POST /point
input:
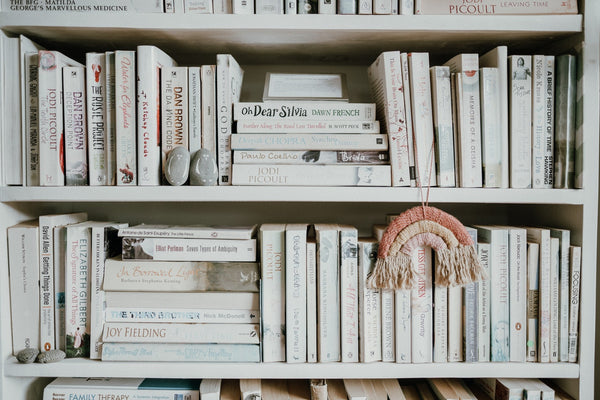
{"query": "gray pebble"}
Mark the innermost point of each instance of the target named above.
(203, 171)
(27, 356)
(177, 166)
(51, 356)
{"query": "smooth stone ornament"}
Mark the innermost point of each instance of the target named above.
(203, 171)
(51, 356)
(177, 166)
(27, 356)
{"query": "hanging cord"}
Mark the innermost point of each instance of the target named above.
(424, 201)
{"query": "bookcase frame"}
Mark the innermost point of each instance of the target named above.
(325, 40)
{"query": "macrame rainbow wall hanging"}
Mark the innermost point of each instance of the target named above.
(456, 261)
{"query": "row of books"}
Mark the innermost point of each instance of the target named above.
(301, 389)
(403, 7)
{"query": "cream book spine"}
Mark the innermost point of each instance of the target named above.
(483, 305)
(455, 324)
(533, 300)
(75, 127)
(491, 135)
(442, 121)
(422, 305)
(111, 120)
(538, 120)
(440, 324)
(554, 299)
(96, 117)
(125, 94)
(575, 267)
(311, 300)
(295, 290)
(209, 111)
(369, 304)
(194, 109)
(549, 123)
(518, 293)
(348, 247)
(174, 110)
(564, 237)
(403, 326)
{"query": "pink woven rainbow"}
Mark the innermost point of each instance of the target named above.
(456, 259)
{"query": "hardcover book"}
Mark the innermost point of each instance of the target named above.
(75, 128)
(97, 100)
(126, 149)
(303, 111)
(174, 113)
(300, 126)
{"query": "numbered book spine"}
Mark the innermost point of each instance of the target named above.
(75, 128)
(533, 300)
(308, 141)
(520, 120)
(150, 60)
(310, 157)
(491, 127)
(24, 271)
(328, 293)
(125, 84)
(348, 238)
(564, 236)
(538, 119)
(272, 239)
(299, 126)
(229, 85)
(575, 252)
(369, 301)
(191, 352)
(194, 109)
(97, 122)
(181, 315)
(311, 300)
(388, 352)
(455, 324)
(483, 305)
(311, 175)
(124, 332)
(77, 304)
(422, 305)
(174, 110)
(209, 122)
(422, 115)
(385, 77)
(518, 293)
(111, 120)
(564, 135)
(304, 111)
(549, 123)
(442, 121)
(440, 324)
(32, 162)
(295, 289)
(409, 123)
(554, 299)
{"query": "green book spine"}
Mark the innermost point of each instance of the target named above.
(564, 136)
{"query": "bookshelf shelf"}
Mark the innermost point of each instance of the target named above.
(88, 368)
(289, 194)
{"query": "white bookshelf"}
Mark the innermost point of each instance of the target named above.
(346, 43)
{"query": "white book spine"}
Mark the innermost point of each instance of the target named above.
(60, 245)
(125, 95)
(304, 111)
(245, 6)
(300, 126)
(533, 300)
(365, 7)
(291, 7)
(520, 121)
(327, 6)
(269, 7)
(440, 324)
(310, 157)
(174, 110)
(455, 324)
(575, 252)
(409, 123)
(554, 299)
(518, 294)
(407, 7)
(210, 389)
(369, 305)
(311, 301)
(24, 270)
(184, 300)
(97, 117)
(295, 289)
(125, 332)
(388, 353)
(385, 76)
(194, 109)
(229, 85)
(347, 7)
(442, 121)
(349, 294)
(181, 352)
(538, 119)
(311, 175)
(422, 305)
(11, 116)
(111, 120)
(50, 119)
(564, 237)
(542, 237)
(115, 388)
(75, 127)
(422, 115)
(470, 322)
(328, 294)
(308, 141)
(483, 305)
(198, 6)
(150, 60)
(402, 326)
(470, 129)
(32, 160)
(273, 292)
(172, 249)
(169, 6)
(383, 7)
(77, 300)
(181, 315)
(491, 133)
(222, 6)
(189, 232)
(549, 123)
(209, 121)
